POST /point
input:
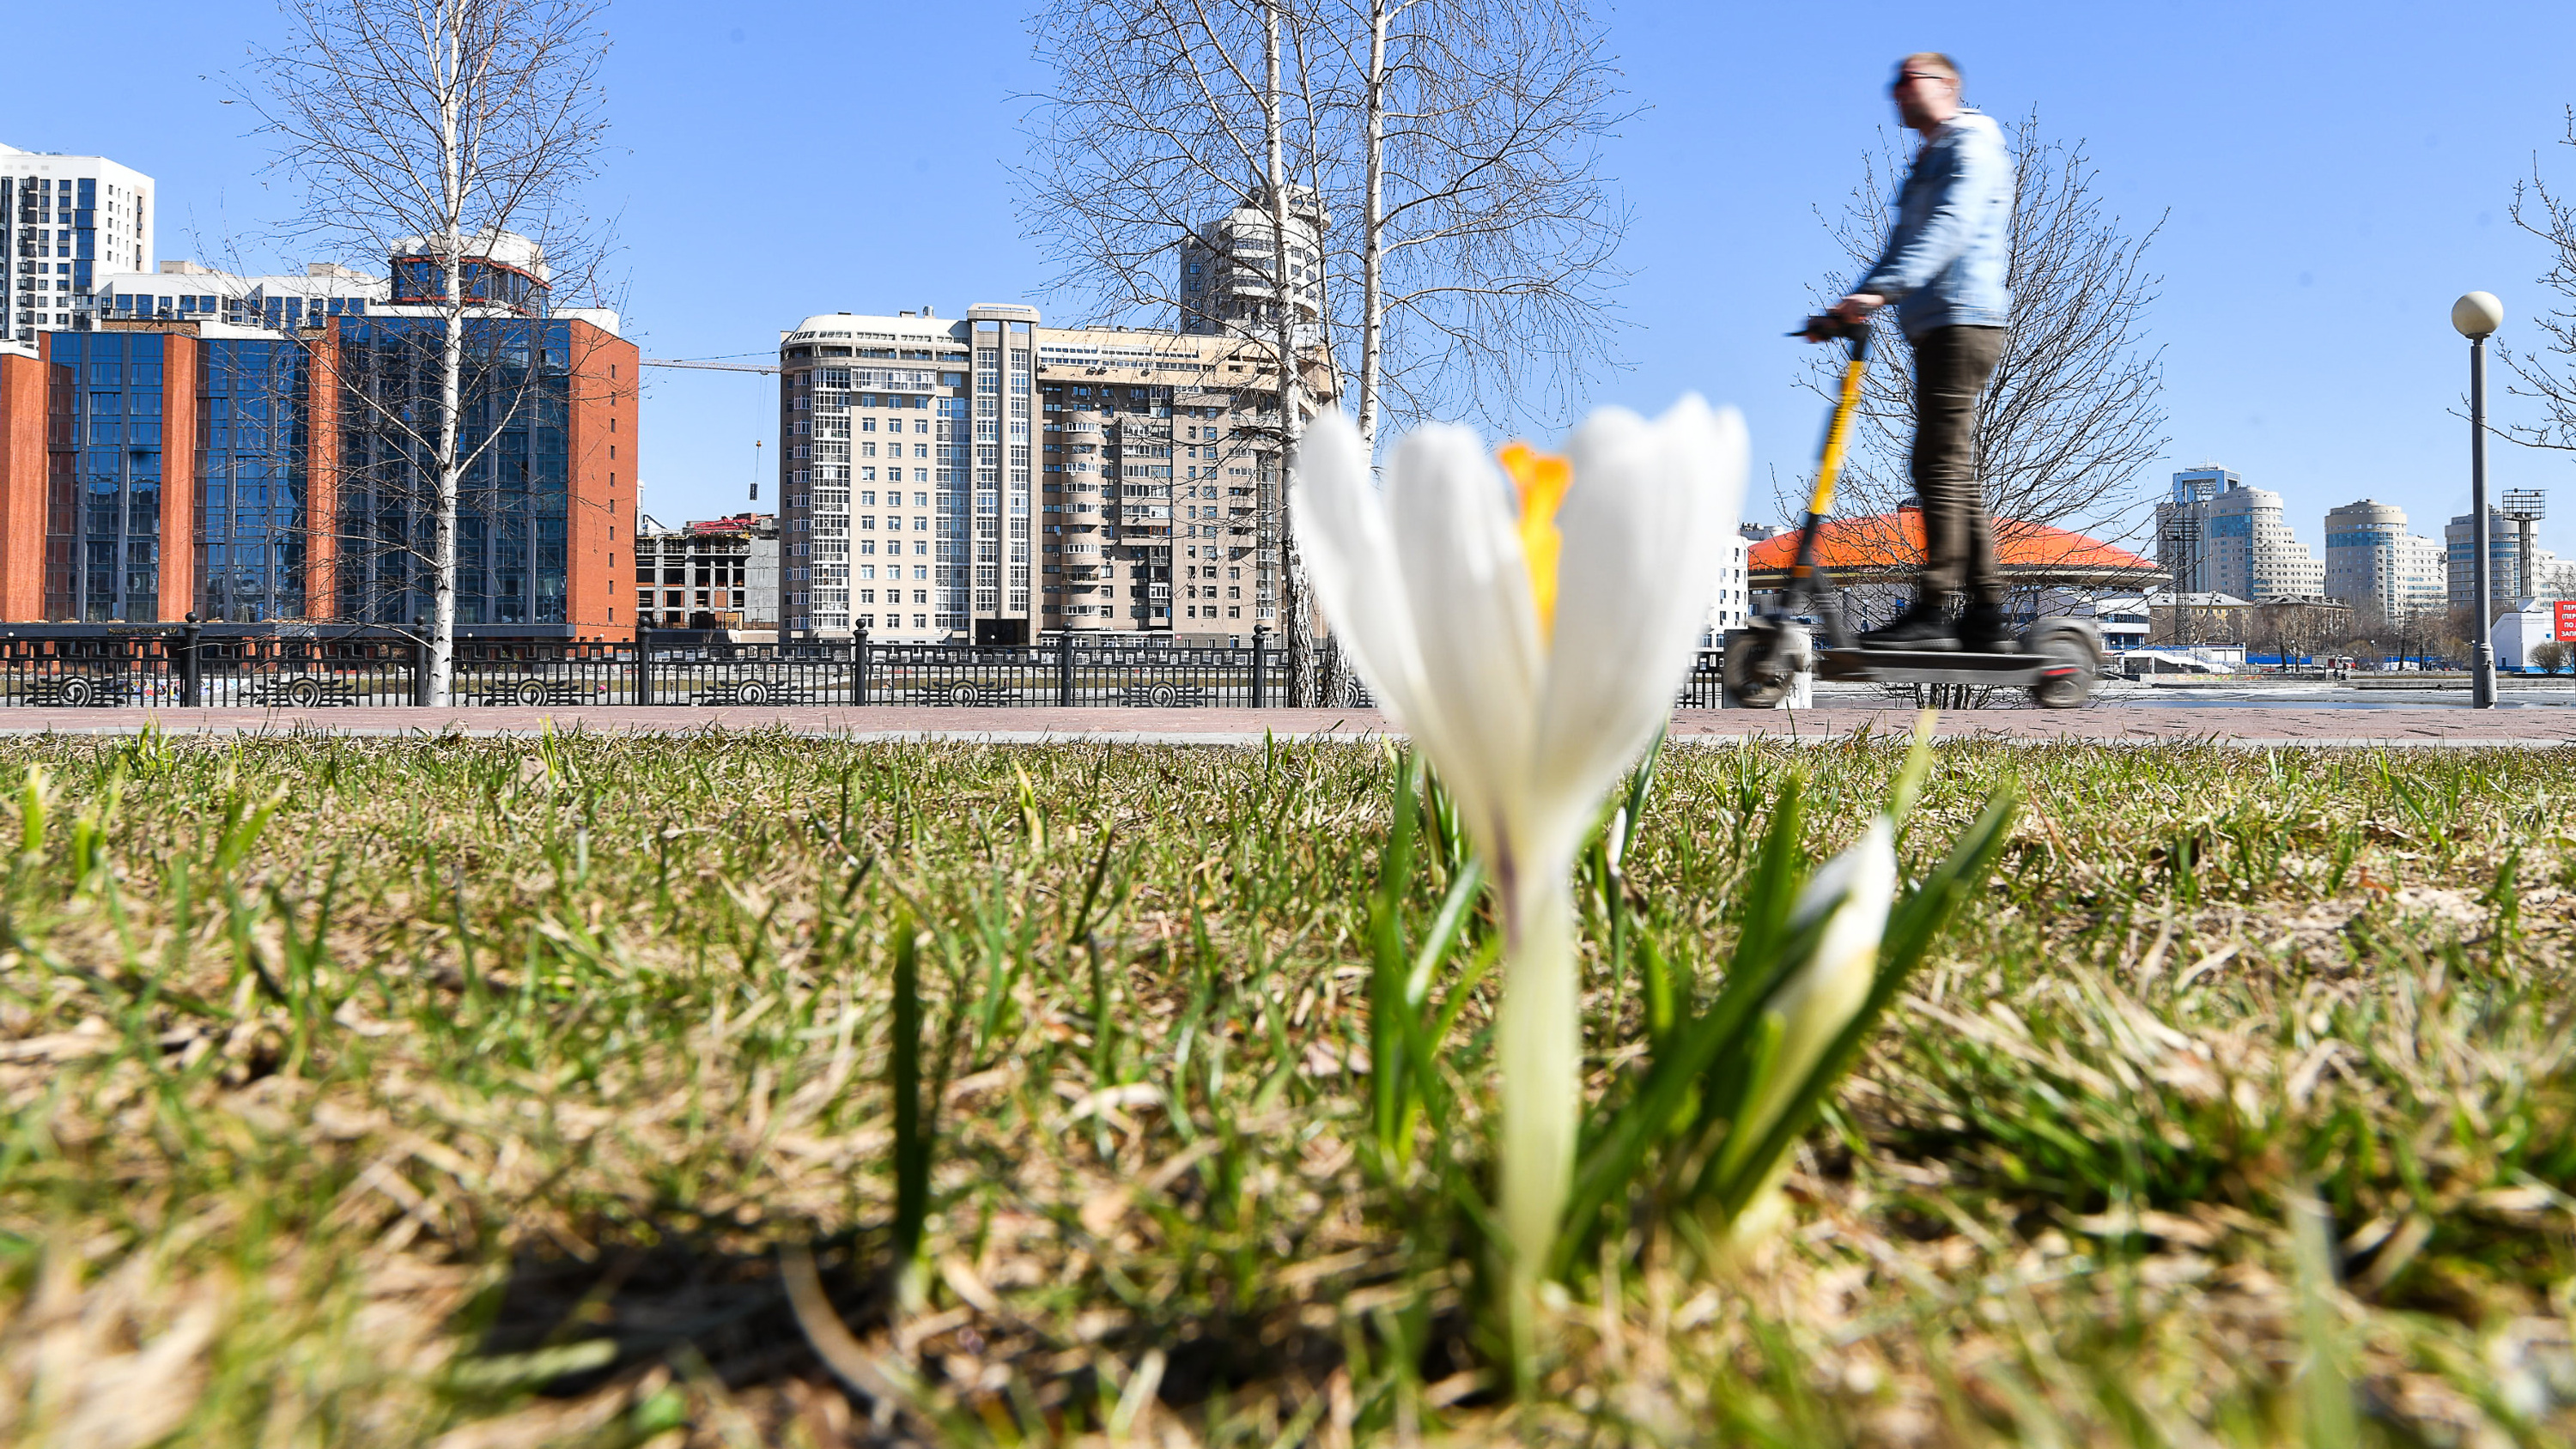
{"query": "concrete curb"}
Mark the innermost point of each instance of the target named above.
(2250, 727)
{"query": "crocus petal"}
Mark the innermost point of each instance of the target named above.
(1645, 529)
(1458, 553)
(1349, 552)
(1815, 1005)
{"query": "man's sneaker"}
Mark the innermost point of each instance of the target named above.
(1983, 629)
(1920, 627)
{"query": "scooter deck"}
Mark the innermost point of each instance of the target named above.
(1938, 666)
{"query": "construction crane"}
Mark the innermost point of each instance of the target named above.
(711, 366)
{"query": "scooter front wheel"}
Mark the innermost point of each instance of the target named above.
(1763, 664)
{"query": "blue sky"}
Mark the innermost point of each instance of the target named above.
(2335, 176)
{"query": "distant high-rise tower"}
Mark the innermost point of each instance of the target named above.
(2506, 540)
(2217, 535)
(2372, 563)
(64, 221)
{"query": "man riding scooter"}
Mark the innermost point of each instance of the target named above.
(1943, 269)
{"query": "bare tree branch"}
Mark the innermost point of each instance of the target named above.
(2547, 375)
(1466, 142)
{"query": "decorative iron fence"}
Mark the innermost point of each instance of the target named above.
(191, 667)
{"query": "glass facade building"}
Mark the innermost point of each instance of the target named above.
(514, 505)
(150, 430)
(254, 442)
(107, 398)
(149, 471)
(161, 462)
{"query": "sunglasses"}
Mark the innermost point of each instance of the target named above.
(1915, 75)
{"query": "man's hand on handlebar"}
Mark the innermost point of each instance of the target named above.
(1844, 318)
(1857, 307)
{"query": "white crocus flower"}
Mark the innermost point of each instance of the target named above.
(1814, 1005)
(1528, 627)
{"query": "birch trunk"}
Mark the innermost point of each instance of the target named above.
(451, 397)
(452, 168)
(429, 128)
(1373, 226)
(1294, 623)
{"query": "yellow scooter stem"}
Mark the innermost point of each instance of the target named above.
(1838, 429)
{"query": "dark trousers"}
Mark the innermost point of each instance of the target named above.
(1951, 365)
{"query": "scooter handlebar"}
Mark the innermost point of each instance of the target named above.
(1826, 327)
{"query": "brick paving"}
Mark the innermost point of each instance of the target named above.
(2123, 723)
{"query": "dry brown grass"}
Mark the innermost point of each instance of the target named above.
(468, 1098)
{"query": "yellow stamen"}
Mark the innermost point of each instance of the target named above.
(1542, 479)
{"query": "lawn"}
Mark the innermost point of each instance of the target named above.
(494, 1092)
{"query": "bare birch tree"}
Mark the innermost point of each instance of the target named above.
(1451, 147)
(1483, 230)
(1168, 117)
(2074, 409)
(460, 132)
(2547, 375)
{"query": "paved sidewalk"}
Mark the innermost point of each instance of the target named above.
(2260, 726)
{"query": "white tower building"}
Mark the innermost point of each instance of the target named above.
(65, 221)
(2507, 538)
(2216, 534)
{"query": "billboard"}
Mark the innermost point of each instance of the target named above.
(2564, 625)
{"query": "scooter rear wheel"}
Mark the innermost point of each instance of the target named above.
(2069, 690)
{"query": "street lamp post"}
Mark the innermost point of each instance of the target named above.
(2478, 315)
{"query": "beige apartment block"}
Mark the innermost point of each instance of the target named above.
(1094, 480)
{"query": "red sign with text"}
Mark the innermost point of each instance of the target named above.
(2566, 622)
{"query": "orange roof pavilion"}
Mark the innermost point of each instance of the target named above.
(1889, 546)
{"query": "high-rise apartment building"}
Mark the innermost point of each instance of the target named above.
(1733, 606)
(2372, 563)
(1084, 479)
(64, 221)
(158, 467)
(877, 421)
(1228, 281)
(2214, 534)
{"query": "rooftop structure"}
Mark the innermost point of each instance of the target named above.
(1888, 547)
(184, 291)
(1229, 282)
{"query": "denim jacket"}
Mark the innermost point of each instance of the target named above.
(1945, 262)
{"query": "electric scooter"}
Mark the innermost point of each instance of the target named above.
(2057, 659)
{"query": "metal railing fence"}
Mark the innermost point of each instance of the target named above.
(188, 667)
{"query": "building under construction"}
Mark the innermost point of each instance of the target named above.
(717, 573)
